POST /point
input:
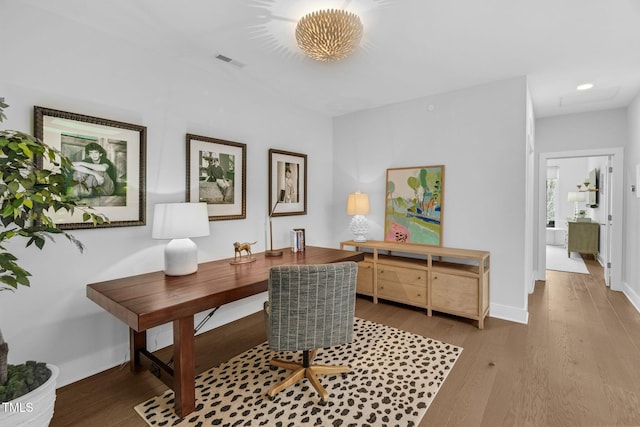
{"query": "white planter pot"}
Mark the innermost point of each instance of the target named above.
(35, 408)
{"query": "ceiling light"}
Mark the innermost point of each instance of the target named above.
(328, 35)
(585, 86)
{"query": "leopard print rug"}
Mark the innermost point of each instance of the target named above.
(395, 377)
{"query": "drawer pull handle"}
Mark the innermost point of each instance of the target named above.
(435, 277)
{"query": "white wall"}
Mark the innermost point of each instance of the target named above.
(479, 135)
(632, 208)
(67, 66)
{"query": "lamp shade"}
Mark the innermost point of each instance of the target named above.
(180, 220)
(358, 204)
(575, 196)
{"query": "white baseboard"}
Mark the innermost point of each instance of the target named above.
(509, 313)
(78, 369)
(158, 337)
(631, 295)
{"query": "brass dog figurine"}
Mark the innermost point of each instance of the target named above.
(239, 247)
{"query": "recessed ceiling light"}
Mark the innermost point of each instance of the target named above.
(585, 86)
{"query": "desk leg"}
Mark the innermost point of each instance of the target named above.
(184, 366)
(137, 341)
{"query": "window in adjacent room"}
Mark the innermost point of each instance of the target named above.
(552, 195)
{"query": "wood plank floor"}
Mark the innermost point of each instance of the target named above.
(577, 363)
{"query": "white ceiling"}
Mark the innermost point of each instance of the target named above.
(410, 48)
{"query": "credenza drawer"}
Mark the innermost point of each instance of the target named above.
(409, 276)
(365, 278)
(454, 294)
(401, 292)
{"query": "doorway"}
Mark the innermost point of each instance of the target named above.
(609, 216)
(576, 187)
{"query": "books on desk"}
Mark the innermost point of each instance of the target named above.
(297, 240)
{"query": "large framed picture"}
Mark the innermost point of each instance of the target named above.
(217, 175)
(109, 162)
(287, 183)
(414, 205)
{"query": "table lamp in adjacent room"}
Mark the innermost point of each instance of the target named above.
(179, 222)
(358, 206)
(575, 197)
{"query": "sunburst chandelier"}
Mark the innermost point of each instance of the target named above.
(328, 35)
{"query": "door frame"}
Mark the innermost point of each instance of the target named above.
(615, 207)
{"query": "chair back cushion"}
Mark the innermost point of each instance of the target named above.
(311, 305)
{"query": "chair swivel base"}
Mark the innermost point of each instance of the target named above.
(307, 370)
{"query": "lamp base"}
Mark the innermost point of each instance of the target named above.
(273, 253)
(360, 228)
(180, 257)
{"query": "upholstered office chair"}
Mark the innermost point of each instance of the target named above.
(310, 307)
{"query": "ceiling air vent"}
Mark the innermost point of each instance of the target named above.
(228, 60)
(223, 58)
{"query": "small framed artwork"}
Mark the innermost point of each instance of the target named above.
(109, 162)
(217, 175)
(287, 183)
(414, 205)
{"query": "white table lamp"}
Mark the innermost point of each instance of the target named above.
(180, 222)
(358, 206)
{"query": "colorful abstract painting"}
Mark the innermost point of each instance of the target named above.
(414, 205)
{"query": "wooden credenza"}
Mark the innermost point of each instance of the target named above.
(454, 281)
(582, 237)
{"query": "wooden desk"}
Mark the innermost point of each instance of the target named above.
(153, 299)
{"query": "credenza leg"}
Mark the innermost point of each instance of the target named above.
(137, 342)
(184, 366)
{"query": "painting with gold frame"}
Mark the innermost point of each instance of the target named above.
(414, 205)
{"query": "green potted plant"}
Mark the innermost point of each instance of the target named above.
(29, 195)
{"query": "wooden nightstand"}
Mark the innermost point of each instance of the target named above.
(582, 237)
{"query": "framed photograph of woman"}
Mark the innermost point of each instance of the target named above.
(287, 183)
(108, 161)
(216, 174)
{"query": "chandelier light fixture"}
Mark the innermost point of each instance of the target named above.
(329, 35)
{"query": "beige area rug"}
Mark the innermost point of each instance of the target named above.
(558, 260)
(395, 377)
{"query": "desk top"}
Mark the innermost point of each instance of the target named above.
(151, 299)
